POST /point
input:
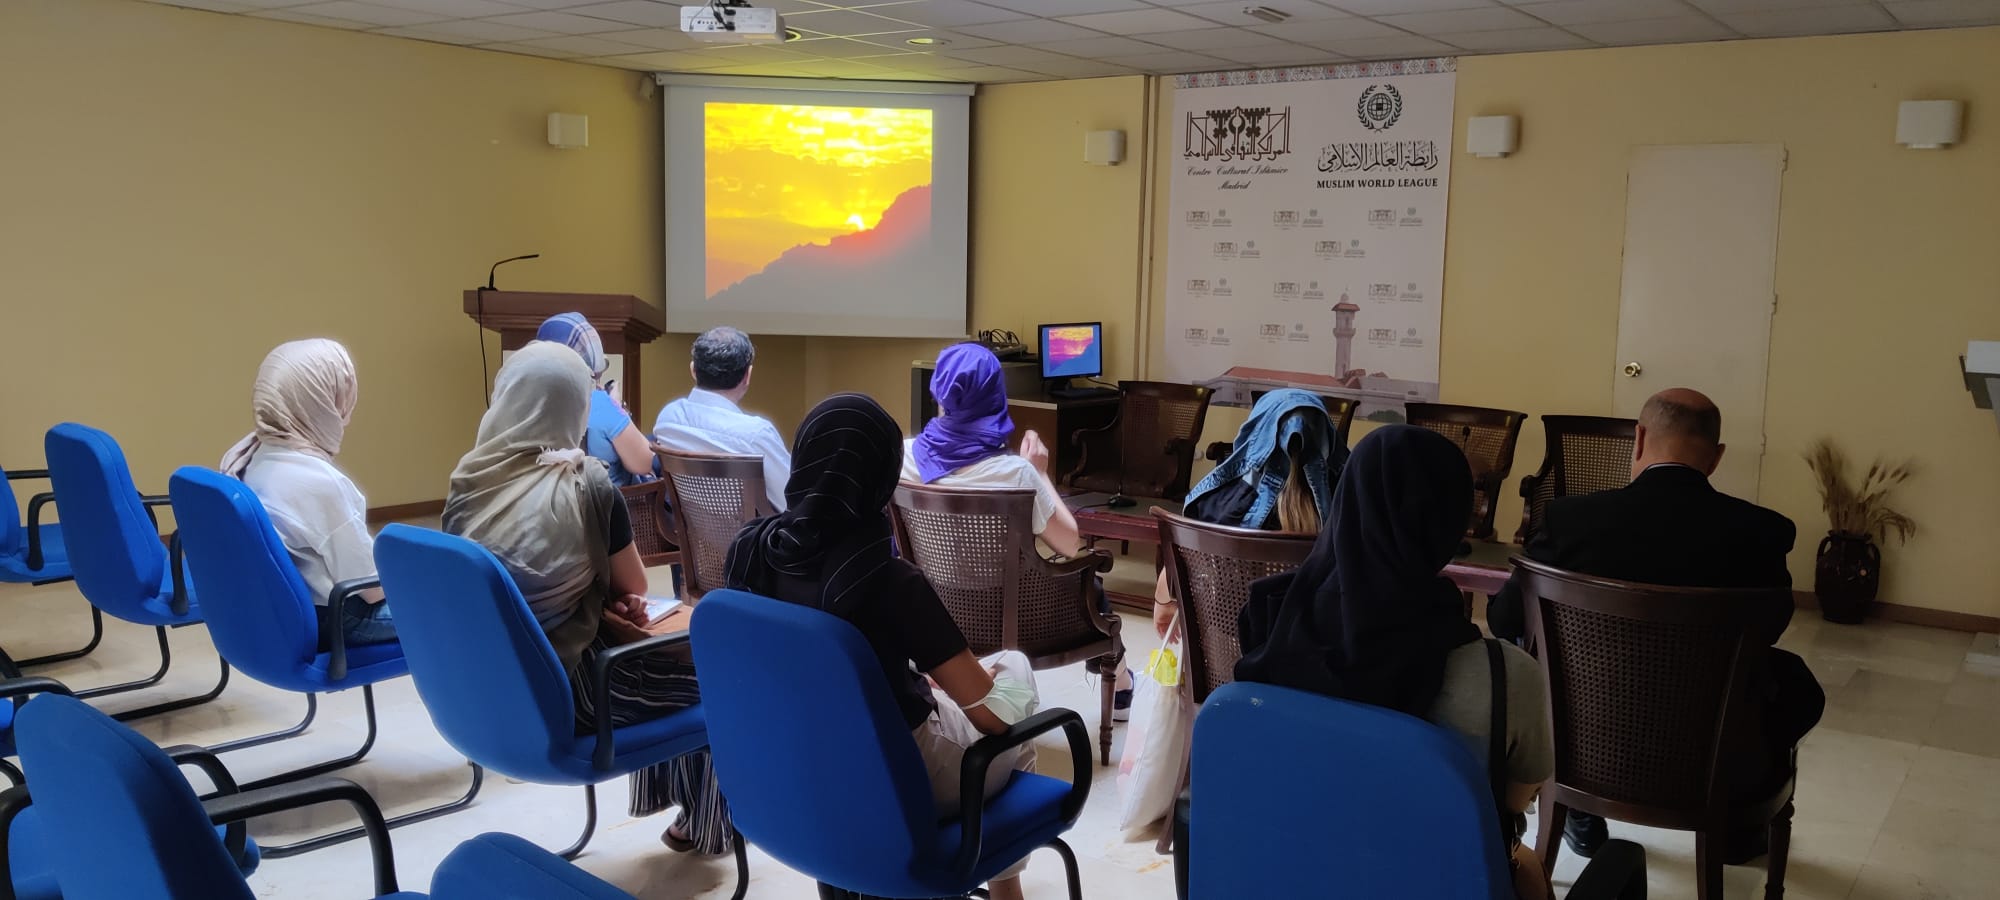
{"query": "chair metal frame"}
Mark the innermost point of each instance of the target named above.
(33, 529)
(1549, 593)
(1021, 560)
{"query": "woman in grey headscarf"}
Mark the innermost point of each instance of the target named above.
(528, 493)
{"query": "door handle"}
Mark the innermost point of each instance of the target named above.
(1632, 369)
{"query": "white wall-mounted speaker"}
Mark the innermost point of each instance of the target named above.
(1104, 148)
(1492, 136)
(1928, 124)
(569, 131)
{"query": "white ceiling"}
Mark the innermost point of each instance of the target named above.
(1033, 40)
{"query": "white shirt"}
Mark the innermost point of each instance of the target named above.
(1003, 471)
(320, 516)
(706, 422)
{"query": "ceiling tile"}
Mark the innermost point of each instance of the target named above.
(1066, 7)
(1287, 55)
(655, 38)
(1082, 68)
(1392, 7)
(956, 39)
(583, 46)
(845, 68)
(1724, 6)
(1515, 40)
(459, 9)
(550, 52)
(931, 62)
(467, 31)
(560, 23)
(846, 23)
(1788, 22)
(1143, 21)
(1489, 19)
(1400, 47)
(1584, 12)
(839, 48)
(665, 62)
(354, 11)
(1214, 39)
(1945, 12)
(1232, 13)
(225, 6)
(1100, 47)
(1029, 31)
(552, 4)
(1169, 63)
(290, 15)
(634, 12)
(1655, 31)
(1005, 56)
(747, 54)
(946, 13)
(993, 74)
(784, 7)
(1327, 30)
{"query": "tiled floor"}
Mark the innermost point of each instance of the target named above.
(1899, 793)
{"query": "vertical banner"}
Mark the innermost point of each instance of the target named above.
(1307, 241)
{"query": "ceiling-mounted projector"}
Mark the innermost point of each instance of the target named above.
(732, 22)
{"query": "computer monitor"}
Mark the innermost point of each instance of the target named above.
(1072, 350)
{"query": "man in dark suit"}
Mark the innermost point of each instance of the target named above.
(1671, 527)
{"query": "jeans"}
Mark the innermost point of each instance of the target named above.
(362, 622)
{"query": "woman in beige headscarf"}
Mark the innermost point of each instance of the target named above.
(528, 493)
(304, 396)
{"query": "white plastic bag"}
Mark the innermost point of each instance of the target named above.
(1156, 742)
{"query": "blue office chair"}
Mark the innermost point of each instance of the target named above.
(14, 691)
(494, 687)
(115, 553)
(1288, 791)
(119, 823)
(35, 554)
(804, 734)
(264, 623)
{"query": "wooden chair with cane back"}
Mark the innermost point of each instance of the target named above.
(1584, 455)
(652, 525)
(1488, 437)
(712, 496)
(977, 548)
(1148, 451)
(1209, 571)
(1652, 693)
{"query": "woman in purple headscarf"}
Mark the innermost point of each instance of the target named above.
(966, 445)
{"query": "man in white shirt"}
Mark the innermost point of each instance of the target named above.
(710, 419)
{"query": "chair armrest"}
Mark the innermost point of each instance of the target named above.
(336, 641)
(1092, 560)
(31, 684)
(177, 570)
(1219, 451)
(13, 801)
(35, 505)
(1084, 439)
(1617, 871)
(20, 474)
(235, 834)
(311, 792)
(148, 501)
(980, 756)
(600, 688)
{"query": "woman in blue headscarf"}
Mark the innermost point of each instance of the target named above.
(1279, 476)
(611, 436)
(966, 445)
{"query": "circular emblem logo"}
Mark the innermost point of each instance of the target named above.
(1379, 107)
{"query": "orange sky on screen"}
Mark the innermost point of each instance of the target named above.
(780, 176)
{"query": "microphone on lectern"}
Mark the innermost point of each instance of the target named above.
(496, 267)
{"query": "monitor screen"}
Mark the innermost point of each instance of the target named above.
(1075, 350)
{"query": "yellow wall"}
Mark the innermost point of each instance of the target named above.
(187, 189)
(1886, 264)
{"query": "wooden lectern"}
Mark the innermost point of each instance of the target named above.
(622, 320)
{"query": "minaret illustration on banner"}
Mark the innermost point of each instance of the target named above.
(1343, 335)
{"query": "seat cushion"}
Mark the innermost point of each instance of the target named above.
(645, 744)
(55, 560)
(1024, 816)
(26, 856)
(497, 866)
(366, 664)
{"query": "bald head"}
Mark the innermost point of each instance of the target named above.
(1678, 425)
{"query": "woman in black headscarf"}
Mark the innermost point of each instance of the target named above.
(831, 550)
(1370, 617)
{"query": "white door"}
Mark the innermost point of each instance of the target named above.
(1701, 250)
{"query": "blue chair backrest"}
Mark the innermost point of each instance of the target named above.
(114, 549)
(121, 823)
(13, 538)
(1292, 788)
(804, 733)
(481, 662)
(258, 610)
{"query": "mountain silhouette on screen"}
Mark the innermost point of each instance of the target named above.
(869, 263)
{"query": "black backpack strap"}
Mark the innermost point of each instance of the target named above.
(1496, 744)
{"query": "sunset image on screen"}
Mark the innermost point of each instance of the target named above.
(798, 196)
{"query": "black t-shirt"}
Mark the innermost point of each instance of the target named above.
(906, 624)
(1227, 505)
(618, 531)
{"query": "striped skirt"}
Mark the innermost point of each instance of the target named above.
(649, 687)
